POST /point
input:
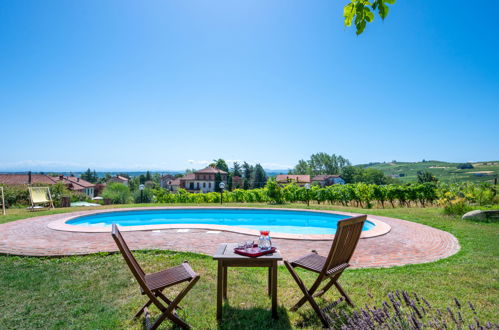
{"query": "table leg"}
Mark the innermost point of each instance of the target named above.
(274, 289)
(225, 282)
(269, 285)
(220, 284)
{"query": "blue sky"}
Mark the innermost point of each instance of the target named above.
(174, 84)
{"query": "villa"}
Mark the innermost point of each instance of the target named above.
(202, 180)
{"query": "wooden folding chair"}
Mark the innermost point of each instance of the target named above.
(153, 284)
(329, 268)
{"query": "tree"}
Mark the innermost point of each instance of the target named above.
(360, 12)
(218, 179)
(464, 166)
(236, 170)
(89, 176)
(350, 174)
(148, 176)
(248, 174)
(259, 177)
(220, 164)
(425, 176)
(321, 163)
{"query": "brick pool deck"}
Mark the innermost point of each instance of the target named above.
(406, 243)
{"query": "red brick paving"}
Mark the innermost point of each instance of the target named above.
(406, 243)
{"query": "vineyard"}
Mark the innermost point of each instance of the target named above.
(462, 196)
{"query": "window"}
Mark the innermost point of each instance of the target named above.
(204, 184)
(209, 184)
(197, 185)
(191, 185)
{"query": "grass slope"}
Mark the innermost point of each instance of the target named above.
(445, 172)
(97, 291)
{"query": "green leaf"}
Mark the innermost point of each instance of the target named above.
(368, 14)
(391, 2)
(383, 10)
(349, 13)
(360, 27)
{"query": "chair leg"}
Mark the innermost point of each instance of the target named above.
(165, 299)
(307, 295)
(325, 288)
(302, 286)
(343, 293)
(139, 313)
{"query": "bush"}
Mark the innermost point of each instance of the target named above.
(118, 193)
(147, 196)
(16, 196)
(465, 166)
(274, 192)
(457, 207)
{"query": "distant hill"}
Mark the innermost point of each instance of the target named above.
(444, 171)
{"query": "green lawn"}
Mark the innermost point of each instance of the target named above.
(98, 291)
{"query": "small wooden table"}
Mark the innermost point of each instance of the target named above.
(227, 258)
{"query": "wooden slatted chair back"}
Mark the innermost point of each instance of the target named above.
(132, 263)
(345, 240)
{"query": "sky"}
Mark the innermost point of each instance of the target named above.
(170, 85)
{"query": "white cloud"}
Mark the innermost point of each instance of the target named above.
(198, 162)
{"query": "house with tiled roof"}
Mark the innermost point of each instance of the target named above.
(299, 179)
(118, 179)
(77, 184)
(203, 180)
(71, 182)
(327, 180)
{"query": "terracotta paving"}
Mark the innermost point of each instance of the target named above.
(406, 243)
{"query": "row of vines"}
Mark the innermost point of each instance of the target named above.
(358, 194)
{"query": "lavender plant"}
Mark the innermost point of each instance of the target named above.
(403, 310)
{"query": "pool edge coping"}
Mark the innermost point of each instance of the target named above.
(380, 228)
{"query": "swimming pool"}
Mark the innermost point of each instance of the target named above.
(275, 220)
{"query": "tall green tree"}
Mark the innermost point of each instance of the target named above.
(321, 163)
(236, 170)
(259, 177)
(89, 176)
(220, 164)
(248, 175)
(218, 179)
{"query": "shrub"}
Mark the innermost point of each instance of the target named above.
(16, 196)
(274, 192)
(147, 195)
(464, 166)
(118, 193)
(457, 206)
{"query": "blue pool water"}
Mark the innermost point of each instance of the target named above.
(281, 221)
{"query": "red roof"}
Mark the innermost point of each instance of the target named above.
(175, 182)
(72, 182)
(20, 179)
(190, 176)
(210, 169)
(78, 183)
(285, 178)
